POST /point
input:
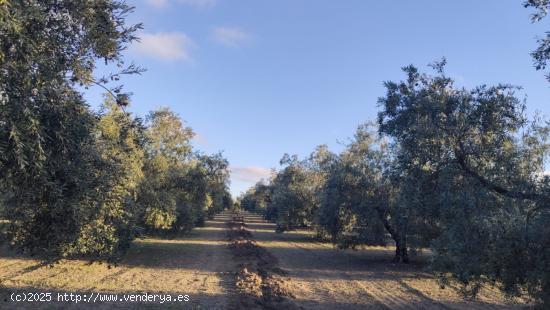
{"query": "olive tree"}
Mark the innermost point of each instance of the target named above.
(292, 198)
(181, 188)
(471, 166)
(51, 176)
(359, 200)
(541, 55)
(109, 229)
(167, 150)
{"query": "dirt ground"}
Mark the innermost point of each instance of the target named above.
(199, 265)
(321, 277)
(206, 267)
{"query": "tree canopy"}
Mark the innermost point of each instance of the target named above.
(73, 181)
(459, 171)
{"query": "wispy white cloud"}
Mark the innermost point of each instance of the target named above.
(201, 4)
(229, 36)
(168, 46)
(249, 174)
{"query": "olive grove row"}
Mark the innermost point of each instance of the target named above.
(76, 182)
(455, 170)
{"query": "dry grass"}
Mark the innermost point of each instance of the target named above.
(202, 265)
(195, 265)
(322, 277)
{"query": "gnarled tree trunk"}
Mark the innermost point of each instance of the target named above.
(399, 236)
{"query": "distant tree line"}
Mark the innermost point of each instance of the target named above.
(458, 171)
(75, 182)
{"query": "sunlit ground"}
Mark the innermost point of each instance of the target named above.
(197, 265)
(323, 277)
(201, 265)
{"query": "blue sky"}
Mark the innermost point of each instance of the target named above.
(256, 79)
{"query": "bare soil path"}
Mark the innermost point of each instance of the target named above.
(203, 266)
(321, 277)
(199, 265)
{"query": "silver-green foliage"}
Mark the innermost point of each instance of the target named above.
(462, 172)
(471, 168)
(59, 184)
(181, 188)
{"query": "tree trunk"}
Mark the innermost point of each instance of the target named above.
(400, 238)
(401, 252)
